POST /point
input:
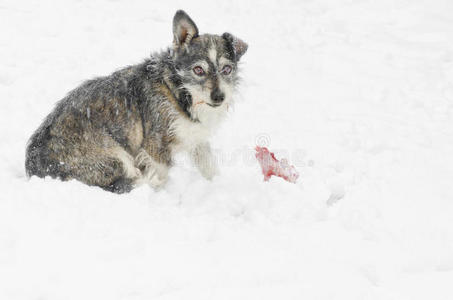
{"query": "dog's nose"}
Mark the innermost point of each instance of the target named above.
(217, 96)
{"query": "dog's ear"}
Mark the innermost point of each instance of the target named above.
(235, 46)
(184, 29)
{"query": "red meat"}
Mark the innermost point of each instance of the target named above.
(272, 166)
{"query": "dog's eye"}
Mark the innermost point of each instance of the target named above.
(226, 69)
(198, 70)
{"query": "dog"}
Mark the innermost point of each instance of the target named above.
(123, 130)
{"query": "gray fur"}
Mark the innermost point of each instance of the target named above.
(130, 112)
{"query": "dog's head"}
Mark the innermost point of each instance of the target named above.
(206, 64)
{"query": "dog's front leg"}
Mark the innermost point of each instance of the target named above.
(204, 160)
(154, 173)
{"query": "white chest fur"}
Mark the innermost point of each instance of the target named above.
(189, 134)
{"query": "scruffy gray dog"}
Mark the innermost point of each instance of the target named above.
(122, 130)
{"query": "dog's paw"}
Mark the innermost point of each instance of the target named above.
(209, 171)
(132, 172)
(143, 160)
(157, 183)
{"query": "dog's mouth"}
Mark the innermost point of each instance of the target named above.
(214, 105)
(210, 104)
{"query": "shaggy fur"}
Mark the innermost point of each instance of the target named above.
(123, 129)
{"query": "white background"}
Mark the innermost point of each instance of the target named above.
(358, 95)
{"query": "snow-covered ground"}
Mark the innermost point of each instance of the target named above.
(358, 95)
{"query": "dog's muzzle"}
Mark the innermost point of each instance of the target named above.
(217, 97)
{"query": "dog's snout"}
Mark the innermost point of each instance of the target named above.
(217, 95)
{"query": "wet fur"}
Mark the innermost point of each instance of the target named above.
(123, 129)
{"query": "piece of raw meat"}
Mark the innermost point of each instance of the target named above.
(272, 166)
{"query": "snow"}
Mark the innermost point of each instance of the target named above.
(358, 95)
